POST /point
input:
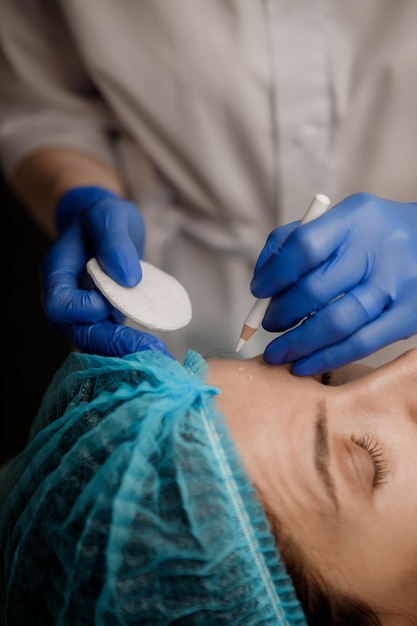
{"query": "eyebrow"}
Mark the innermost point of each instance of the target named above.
(322, 454)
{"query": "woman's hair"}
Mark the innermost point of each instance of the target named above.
(322, 605)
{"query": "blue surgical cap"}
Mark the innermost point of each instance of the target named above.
(130, 505)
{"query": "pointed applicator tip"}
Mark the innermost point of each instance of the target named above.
(240, 344)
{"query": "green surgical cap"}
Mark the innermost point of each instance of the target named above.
(130, 505)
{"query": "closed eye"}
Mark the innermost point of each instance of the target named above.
(376, 453)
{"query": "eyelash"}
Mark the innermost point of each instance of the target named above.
(376, 454)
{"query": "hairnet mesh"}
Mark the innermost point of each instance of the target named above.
(130, 506)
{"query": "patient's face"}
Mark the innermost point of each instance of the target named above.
(338, 465)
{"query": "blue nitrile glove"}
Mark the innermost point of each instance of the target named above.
(94, 222)
(355, 268)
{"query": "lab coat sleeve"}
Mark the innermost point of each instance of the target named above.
(46, 96)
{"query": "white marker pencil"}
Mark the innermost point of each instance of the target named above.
(255, 316)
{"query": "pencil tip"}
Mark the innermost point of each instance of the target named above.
(240, 344)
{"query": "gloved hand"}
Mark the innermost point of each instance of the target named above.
(351, 275)
(92, 221)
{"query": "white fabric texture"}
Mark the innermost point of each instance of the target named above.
(225, 119)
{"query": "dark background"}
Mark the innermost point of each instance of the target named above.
(31, 350)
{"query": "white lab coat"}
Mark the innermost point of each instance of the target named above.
(224, 117)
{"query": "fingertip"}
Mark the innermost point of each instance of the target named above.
(260, 285)
(160, 347)
(147, 341)
(131, 272)
(308, 367)
(126, 273)
(121, 263)
(272, 357)
(130, 340)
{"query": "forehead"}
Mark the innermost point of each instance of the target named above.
(257, 366)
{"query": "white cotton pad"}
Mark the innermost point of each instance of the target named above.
(159, 301)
